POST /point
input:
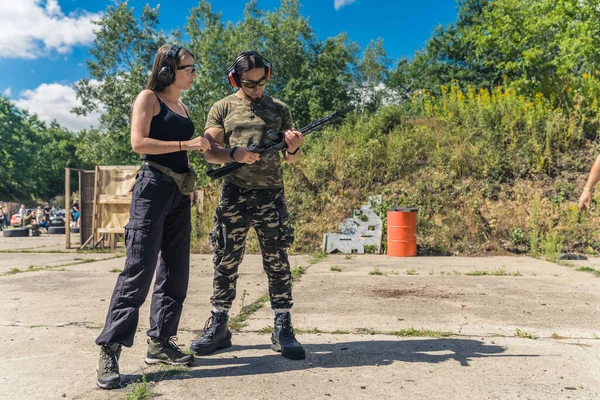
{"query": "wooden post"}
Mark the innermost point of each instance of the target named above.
(68, 207)
(112, 241)
(94, 213)
(80, 220)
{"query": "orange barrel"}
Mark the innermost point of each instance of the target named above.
(402, 232)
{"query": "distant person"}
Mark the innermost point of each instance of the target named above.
(30, 222)
(2, 218)
(22, 211)
(76, 213)
(157, 237)
(44, 224)
(5, 216)
(47, 211)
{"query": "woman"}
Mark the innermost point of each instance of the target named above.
(159, 221)
(251, 196)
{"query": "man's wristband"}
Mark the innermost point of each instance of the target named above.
(294, 153)
(588, 189)
(231, 151)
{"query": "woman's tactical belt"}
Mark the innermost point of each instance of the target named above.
(186, 182)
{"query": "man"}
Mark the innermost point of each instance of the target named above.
(251, 196)
(30, 222)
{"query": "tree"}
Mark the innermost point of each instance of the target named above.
(373, 73)
(311, 76)
(123, 52)
(305, 71)
(17, 141)
(450, 54)
(34, 155)
(539, 45)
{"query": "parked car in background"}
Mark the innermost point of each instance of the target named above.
(57, 218)
(15, 220)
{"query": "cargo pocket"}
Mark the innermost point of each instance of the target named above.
(286, 230)
(141, 224)
(216, 237)
(137, 232)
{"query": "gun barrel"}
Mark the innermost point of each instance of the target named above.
(313, 126)
(222, 171)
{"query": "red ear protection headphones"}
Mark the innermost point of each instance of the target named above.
(166, 75)
(234, 78)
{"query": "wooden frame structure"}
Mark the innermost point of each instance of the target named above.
(105, 197)
(112, 198)
(86, 203)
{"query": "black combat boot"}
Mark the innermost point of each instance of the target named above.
(215, 336)
(283, 338)
(108, 367)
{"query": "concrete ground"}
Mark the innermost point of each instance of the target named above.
(491, 328)
(43, 243)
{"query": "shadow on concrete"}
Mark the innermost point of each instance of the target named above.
(334, 355)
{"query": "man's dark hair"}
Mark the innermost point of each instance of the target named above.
(249, 63)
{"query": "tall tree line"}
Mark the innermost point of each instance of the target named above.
(544, 47)
(312, 76)
(33, 155)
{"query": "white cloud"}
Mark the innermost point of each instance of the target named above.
(34, 28)
(341, 3)
(55, 101)
(7, 92)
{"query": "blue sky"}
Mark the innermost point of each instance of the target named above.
(44, 43)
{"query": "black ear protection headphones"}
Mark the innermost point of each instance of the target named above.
(166, 75)
(234, 78)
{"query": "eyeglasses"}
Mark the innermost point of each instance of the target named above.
(188, 69)
(252, 84)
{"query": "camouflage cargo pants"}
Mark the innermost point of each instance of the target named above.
(266, 211)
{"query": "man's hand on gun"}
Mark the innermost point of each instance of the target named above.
(294, 139)
(243, 155)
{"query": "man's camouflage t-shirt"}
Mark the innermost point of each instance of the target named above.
(244, 123)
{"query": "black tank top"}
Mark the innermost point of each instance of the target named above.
(169, 126)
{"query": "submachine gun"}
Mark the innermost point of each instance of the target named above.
(277, 142)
